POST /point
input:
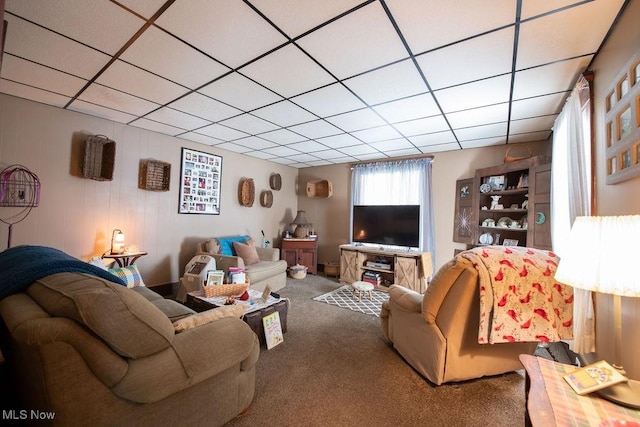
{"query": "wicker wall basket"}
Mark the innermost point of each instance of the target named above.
(320, 188)
(154, 175)
(228, 290)
(99, 158)
(246, 192)
(522, 152)
(266, 198)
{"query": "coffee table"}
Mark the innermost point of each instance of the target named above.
(256, 309)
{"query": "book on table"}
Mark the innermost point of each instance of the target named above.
(272, 330)
(594, 377)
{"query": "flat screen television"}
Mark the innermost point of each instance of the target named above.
(393, 225)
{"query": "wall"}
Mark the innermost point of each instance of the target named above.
(330, 217)
(619, 199)
(77, 215)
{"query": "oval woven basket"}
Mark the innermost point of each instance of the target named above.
(247, 192)
(266, 198)
(508, 157)
(225, 290)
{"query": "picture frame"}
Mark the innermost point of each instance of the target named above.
(510, 242)
(497, 183)
(200, 182)
(215, 277)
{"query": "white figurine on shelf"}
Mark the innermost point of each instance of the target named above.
(525, 204)
(494, 202)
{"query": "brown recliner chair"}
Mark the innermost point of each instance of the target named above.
(437, 333)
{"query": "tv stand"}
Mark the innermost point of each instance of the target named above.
(400, 267)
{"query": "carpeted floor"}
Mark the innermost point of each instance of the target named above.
(344, 297)
(335, 369)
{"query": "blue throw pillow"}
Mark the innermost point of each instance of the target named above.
(226, 244)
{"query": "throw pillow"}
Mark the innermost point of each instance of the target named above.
(208, 316)
(247, 251)
(226, 244)
(130, 275)
(212, 246)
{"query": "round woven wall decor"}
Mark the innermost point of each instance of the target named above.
(266, 198)
(275, 181)
(246, 192)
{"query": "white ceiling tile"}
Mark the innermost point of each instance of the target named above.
(91, 23)
(288, 72)
(284, 161)
(329, 154)
(412, 151)
(343, 159)
(355, 43)
(339, 141)
(130, 79)
(316, 129)
(32, 74)
(282, 136)
(230, 146)
(202, 106)
(559, 36)
(308, 146)
(356, 120)
(227, 30)
(474, 59)
(393, 145)
(376, 155)
(249, 123)
(529, 137)
(551, 78)
(319, 163)
(203, 139)
(411, 108)
(485, 92)
(166, 56)
(388, 83)
(532, 8)
(487, 142)
(477, 116)
(36, 44)
(538, 106)
(433, 138)
(427, 24)
(377, 134)
(284, 113)
(260, 155)
(27, 92)
(424, 125)
(177, 118)
(303, 157)
(240, 92)
(99, 111)
(156, 127)
(255, 143)
(357, 150)
(146, 8)
(281, 151)
(222, 132)
(485, 131)
(297, 17)
(535, 124)
(438, 148)
(110, 98)
(329, 100)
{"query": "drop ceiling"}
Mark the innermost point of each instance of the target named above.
(306, 82)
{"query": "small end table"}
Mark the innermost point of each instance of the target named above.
(125, 259)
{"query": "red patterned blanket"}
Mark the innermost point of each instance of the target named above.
(519, 298)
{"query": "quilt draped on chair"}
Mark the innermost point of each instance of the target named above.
(520, 300)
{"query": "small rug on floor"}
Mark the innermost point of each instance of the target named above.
(344, 297)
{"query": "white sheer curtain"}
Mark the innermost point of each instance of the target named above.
(571, 195)
(406, 182)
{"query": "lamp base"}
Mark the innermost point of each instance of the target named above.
(625, 394)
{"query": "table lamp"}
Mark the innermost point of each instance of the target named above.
(601, 256)
(117, 242)
(302, 225)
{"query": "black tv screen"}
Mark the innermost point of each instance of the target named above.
(394, 225)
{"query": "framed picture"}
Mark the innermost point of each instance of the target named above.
(510, 242)
(200, 181)
(215, 277)
(497, 182)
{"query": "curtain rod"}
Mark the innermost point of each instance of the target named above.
(394, 159)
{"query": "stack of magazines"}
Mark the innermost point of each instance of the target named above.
(372, 277)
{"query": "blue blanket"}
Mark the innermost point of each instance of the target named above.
(22, 265)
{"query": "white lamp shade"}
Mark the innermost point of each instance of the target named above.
(601, 255)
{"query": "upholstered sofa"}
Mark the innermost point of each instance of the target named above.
(264, 267)
(98, 353)
(438, 332)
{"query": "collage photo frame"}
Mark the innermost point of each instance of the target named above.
(200, 178)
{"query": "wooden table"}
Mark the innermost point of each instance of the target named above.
(125, 259)
(550, 401)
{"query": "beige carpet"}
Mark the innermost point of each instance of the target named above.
(335, 369)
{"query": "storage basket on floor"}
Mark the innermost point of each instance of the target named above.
(225, 290)
(298, 271)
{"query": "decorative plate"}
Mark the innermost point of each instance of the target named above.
(485, 188)
(504, 222)
(486, 239)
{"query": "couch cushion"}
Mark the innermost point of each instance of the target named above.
(265, 270)
(130, 275)
(208, 316)
(247, 251)
(126, 321)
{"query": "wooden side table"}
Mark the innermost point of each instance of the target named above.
(125, 259)
(300, 251)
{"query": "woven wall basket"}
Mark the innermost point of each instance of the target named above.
(246, 192)
(521, 152)
(266, 198)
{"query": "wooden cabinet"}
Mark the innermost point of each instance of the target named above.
(300, 251)
(511, 204)
(392, 267)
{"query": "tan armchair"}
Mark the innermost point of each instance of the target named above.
(437, 333)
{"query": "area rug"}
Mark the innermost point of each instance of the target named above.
(343, 297)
